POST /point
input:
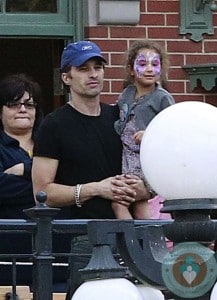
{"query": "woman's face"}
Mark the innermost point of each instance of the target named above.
(17, 117)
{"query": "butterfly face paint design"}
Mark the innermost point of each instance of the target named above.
(143, 61)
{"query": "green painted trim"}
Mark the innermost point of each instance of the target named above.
(206, 73)
(195, 20)
(27, 30)
(78, 17)
(67, 22)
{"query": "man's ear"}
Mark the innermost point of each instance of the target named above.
(65, 78)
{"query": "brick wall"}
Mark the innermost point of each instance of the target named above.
(159, 21)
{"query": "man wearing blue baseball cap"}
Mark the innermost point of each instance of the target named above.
(78, 151)
(76, 54)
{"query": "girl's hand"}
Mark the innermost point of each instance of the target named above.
(138, 136)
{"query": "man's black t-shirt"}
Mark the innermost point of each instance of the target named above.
(88, 150)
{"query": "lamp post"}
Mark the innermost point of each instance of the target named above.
(178, 155)
(104, 277)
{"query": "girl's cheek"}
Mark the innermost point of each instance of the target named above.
(157, 70)
(139, 70)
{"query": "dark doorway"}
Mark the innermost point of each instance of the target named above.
(39, 58)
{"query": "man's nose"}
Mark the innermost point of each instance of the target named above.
(93, 72)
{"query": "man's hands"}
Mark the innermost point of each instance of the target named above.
(116, 190)
(129, 188)
(123, 190)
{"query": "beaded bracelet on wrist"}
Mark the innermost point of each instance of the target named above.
(77, 195)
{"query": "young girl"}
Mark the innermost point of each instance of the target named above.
(139, 103)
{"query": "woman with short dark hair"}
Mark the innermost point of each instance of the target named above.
(20, 116)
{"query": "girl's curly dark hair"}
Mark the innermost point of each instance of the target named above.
(133, 52)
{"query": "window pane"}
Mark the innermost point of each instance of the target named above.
(36, 6)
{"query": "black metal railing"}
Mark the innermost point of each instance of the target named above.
(42, 258)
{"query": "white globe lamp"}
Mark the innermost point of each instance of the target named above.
(178, 151)
(179, 158)
(108, 289)
(214, 293)
(148, 292)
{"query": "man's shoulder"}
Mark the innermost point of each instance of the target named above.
(58, 113)
(60, 110)
(109, 107)
(54, 120)
(110, 110)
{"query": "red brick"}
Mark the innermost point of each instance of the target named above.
(96, 31)
(210, 37)
(160, 42)
(117, 86)
(106, 85)
(176, 86)
(114, 73)
(109, 98)
(215, 19)
(211, 99)
(118, 59)
(150, 19)
(201, 59)
(106, 56)
(177, 73)
(166, 32)
(142, 5)
(176, 59)
(127, 32)
(110, 45)
(172, 20)
(185, 97)
(187, 46)
(210, 46)
(163, 6)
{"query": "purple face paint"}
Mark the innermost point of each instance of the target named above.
(150, 59)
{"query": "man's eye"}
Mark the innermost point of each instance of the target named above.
(83, 69)
(99, 67)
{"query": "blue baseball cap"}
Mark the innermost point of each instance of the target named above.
(76, 54)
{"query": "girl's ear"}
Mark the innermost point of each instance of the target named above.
(65, 78)
(130, 70)
(132, 73)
